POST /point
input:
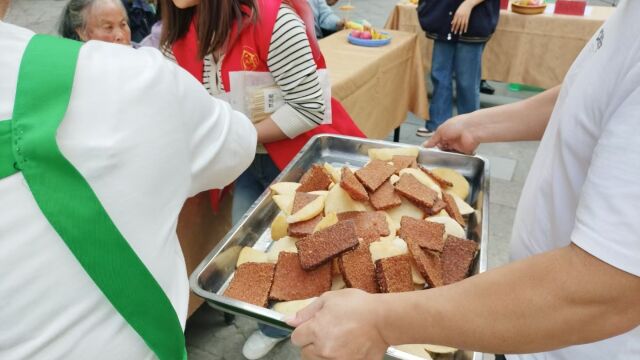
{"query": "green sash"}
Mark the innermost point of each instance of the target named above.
(28, 144)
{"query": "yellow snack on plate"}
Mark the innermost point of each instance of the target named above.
(460, 184)
(339, 201)
(279, 227)
(248, 254)
(414, 349)
(328, 220)
(439, 349)
(337, 283)
(333, 172)
(463, 207)
(352, 25)
(292, 307)
(451, 227)
(386, 249)
(309, 211)
(286, 244)
(282, 188)
(284, 202)
(386, 154)
(405, 209)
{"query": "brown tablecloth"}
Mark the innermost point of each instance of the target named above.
(529, 49)
(377, 86)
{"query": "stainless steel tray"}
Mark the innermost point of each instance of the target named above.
(212, 276)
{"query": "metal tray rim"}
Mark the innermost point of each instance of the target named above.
(230, 305)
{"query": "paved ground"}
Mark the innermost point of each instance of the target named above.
(208, 337)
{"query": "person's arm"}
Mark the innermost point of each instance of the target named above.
(520, 121)
(221, 141)
(580, 293)
(294, 70)
(561, 298)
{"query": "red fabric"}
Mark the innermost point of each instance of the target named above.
(248, 51)
(570, 7)
(186, 52)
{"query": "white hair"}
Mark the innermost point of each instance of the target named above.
(75, 13)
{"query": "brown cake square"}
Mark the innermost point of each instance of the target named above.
(303, 228)
(367, 235)
(452, 208)
(442, 182)
(291, 282)
(316, 178)
(428, 263)
(374, 220)
(416, 192)
(352, 186)
(438, 206)
(357, 268)
(385, 197)
(322, 246)
(394, 274)
(251, 283)
(428, 235)
(457, 257)
(402, 162)
(374, 174)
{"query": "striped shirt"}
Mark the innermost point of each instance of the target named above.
(294, 70)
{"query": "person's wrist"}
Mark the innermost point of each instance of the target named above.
(383, 315)
(470, 125)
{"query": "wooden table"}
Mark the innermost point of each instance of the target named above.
(529, 49)
(377, 86)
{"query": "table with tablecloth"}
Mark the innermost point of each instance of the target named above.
(529, 49)
(377, 86)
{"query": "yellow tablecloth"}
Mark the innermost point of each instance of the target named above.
(377, 86)
(529, 49)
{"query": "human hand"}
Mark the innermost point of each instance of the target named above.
(340, 24)
(460, 22)
(339, 325)
(454, 135)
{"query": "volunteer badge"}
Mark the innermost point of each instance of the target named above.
(249, 59)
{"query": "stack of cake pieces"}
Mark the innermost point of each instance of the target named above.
(321, 247)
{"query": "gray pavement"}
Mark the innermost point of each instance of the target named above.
(208, 337)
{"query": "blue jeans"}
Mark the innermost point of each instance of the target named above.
(250, 185)
(465, 61)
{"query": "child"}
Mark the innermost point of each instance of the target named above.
(460, 30)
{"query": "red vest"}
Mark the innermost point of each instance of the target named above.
(249, 52)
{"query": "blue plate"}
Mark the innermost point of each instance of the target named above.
(369, 43)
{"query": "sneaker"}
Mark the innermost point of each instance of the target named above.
(486, 88)
(259, 345)
(424, 132)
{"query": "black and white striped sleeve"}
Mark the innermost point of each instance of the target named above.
(291, 64)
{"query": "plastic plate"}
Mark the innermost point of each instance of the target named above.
(369, 43)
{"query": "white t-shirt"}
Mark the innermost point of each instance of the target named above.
(146, 135)
(584, 183)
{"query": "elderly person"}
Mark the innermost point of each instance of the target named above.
(104, 20)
